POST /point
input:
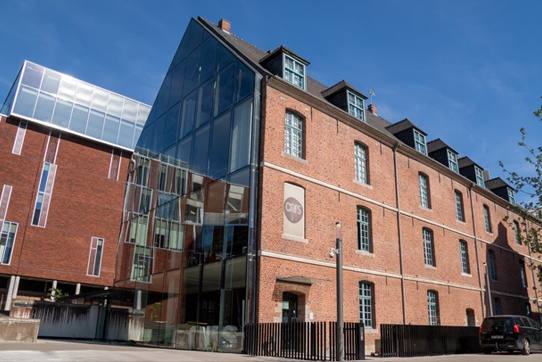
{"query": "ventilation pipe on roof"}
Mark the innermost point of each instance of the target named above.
(225, 25)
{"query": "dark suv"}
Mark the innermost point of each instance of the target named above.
(510, 333)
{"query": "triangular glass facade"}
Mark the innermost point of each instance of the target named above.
(182, 267)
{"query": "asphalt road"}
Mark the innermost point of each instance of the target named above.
(76, 351)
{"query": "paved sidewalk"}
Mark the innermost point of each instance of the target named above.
(76, 351)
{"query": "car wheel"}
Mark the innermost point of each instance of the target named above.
(526, 347)
(487, 351)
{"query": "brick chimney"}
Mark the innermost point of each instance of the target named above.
(372, 109)
(225, 25)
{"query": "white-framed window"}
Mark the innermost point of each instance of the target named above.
(95, 256)
(19, 138)
(293, 135)
(425, 201)
(294, 71)
(364, 230)
(419, 142)
(487, 218)
(428, 247)
(8, 233)
(366, 304)
(511, 196)
(459, 211)
(452, 161)
(43, 198)
(464, 252)
(360, 156)
(432, 307)
(356, 106)
(479, 176)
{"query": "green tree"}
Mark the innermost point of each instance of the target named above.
(529, 184)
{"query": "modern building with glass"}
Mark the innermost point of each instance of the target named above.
(66, 148)
(242, 170)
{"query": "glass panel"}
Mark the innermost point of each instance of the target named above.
(137, 134)
(244, 83)
(26, 100)
(126, 134)
(44, 107)
(205, 103)
(196, 33)
(84, 94)
(201, 151)
(129, 112)
(224, 90)
(95, 124)
(240, 139)
(111, 129)
(208, 58)
(189, 114)
(115, 105)
(191, 72)
(78, 122)
(67, 88)
(51, 82)
(172, 120)
(224, 58)
(176, 88)
(32, 75)
(100, 99)
(161, 102)
(142, 114)
(184, 151)
(62, 114)
(218, 158)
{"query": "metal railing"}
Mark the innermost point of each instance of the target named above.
(399, 340)
(304, 340)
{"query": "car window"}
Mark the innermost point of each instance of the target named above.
(525, 322)
(534, 324)
(518, 320)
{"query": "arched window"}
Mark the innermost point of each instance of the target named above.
(293, 135)
(361, 157)
(425, 200)
(364, 230)
(428, 247)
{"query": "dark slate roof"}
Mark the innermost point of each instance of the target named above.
(282, 49)
(340, 86)
(403, 125)
(466, 162)
(496, 183)
(438, 144)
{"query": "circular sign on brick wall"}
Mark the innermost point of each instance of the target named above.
(293, 210)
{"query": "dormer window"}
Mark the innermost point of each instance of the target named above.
(479, 176)
(452, 161)
(294, 71)
(419, 142)
(511, 196)
(355, 106)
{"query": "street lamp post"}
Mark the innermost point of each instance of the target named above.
(338, 250)
(489, 301)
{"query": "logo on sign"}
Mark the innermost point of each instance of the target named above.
(293, 210)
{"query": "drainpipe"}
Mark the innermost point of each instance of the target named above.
(476, 252)
(399, 232)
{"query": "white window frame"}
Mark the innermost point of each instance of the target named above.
(366, 303)
(8, 235)
(428, 247)
(425, 201)
(464, 250)
(360, 157)
(294, 71)
(459, 209)
(452, 161)
(95, 256)
(479, 176)
(487, 218)
(419, 142)
(433, 307)
(356, 105)
(364, 229)
(511, 196)
(43, 197)
(293, 135)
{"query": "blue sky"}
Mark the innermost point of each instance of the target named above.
(468, 72)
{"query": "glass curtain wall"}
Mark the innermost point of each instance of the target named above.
(182, 269)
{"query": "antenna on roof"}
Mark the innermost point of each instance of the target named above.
(371, 94)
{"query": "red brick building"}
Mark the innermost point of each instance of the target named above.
(419, 225)
(66, 148)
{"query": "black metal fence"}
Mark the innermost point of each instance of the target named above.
(399, 340)
(304, 340)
